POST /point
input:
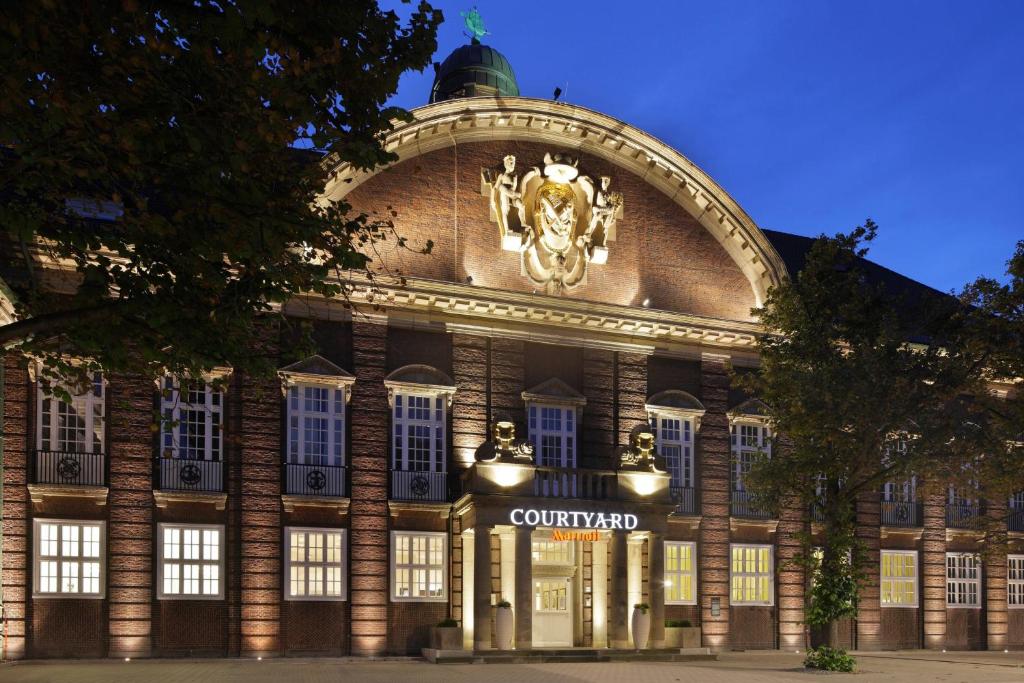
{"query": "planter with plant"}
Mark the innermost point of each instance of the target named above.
(504, 625)
(446, 635)
(681, 633)
(641, 624)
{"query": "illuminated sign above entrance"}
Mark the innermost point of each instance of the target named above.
(573, 520)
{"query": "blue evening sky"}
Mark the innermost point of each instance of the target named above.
(812, 114)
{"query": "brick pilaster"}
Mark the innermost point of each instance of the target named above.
(631, 393)
(368, 563)
(713, 452)
(791, 579)
(507, 379)
(130, 566)
(994, 589)
(16, 560)
(869, 613)
(933, 571)
(470, 370)
(598, 423)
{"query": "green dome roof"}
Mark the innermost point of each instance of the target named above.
(473, 70)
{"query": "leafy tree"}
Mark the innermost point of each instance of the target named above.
(154, 207)
(866, 385)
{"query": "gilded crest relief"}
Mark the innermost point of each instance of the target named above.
(559, 219)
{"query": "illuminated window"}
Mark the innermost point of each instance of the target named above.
(680, 574)
(191, 562)
(552, 552)
(899, 578)
(674, 437)
(751, 575)
(315, 564)
(68, 559)
(963, 580)
(1015, 581)
(192, 420)
(748, 440)
(75, 427)
(419, 438)
(419, 566)
(551, 595)
(316, 425)
(552, 431)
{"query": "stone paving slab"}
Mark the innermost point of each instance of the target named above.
(748, 667)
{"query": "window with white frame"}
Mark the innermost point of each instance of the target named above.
(963, 580)
(316, 425)
(419, 566)
(680, 573)
(75, 427)
(748, 439)
(552, 552)
(191, 561)
(751, 575)
(898, 491)
(315, 564)
(674, 439)
(552, 430)
(419, 432)
(1015, 581)
(68, 559)
(899, 578)
(192, 413)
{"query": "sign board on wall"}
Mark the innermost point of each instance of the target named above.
(573, 519)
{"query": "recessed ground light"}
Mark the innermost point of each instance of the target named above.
(127, 659)
(647, 302)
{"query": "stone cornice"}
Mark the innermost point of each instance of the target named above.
(575, 128)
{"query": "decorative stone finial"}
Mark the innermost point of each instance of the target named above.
(640, 455)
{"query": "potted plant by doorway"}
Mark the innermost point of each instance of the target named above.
(504, 625)
(641, 624)
(681, 633)
(446, 635)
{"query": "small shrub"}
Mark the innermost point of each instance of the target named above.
(678, 623)
(642, 606)
(505, 603)
(826, 658)
(448, 623)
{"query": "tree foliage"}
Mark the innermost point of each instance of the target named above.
(148, 160)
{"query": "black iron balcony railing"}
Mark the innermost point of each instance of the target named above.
(901, 513)
(430, 487)
(1015, 519)
(745, 504)
(177, 474)
(963, 515)
(817, 515)
(685, 499)
(314, 480)
(558, 482)
(69, 468)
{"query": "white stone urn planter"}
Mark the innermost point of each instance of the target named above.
(504, 625)
(641, 625)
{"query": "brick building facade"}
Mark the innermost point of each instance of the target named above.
(460, 420)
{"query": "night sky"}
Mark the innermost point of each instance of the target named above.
(812, 114)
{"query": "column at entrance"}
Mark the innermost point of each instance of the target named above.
(482, 588)
(619, 593)
(656, 583)
(524, 588)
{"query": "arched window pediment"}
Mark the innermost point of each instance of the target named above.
(419, 378)
(677, 403)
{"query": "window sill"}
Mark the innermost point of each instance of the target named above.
(38, 493)
(291, 501)
(164, 498)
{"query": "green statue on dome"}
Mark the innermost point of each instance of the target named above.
(474, 24)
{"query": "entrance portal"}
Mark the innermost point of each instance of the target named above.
(554, 570)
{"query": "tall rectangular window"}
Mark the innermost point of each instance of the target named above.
(190, 562)
(418, 443)
(680, 574)
(748, 439)
(316, 425)
(963, 580)
(75, 427)
(419, 566)
(1015, 581)
(315, 564)
(751, 575)
(899, 578)
(192, 423)
(68, 559)
(674, 436)
(552, 430)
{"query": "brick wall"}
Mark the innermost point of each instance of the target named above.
(471, 365)
(869, 627)
(933, 571)
(16, 550)
(597, 425)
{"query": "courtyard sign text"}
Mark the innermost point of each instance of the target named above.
(573, 520)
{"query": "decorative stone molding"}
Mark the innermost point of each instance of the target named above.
(575, 128)
(676, 403)
(419, 379)
(217, 374)
(290, 502)
(164, 498)
(751, 410)
(38, 493)
(554, 391)
(317, 370)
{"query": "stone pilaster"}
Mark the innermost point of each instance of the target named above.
(869, 615)
(524, 588)
(656, 569)
(714, 454)
(482, 588)
(933, 571)
(618, 633)
(368, 468)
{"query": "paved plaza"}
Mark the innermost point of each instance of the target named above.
(904, 667)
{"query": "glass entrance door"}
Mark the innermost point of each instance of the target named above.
(552, 611)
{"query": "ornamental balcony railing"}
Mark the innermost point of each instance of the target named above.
(901, 513)
(685, 499)
(745, 504)
(963, 515)
(1015, 519)
(69, 468)
(178, 474)
(314, 480)
(559, 482)
(428, 487)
